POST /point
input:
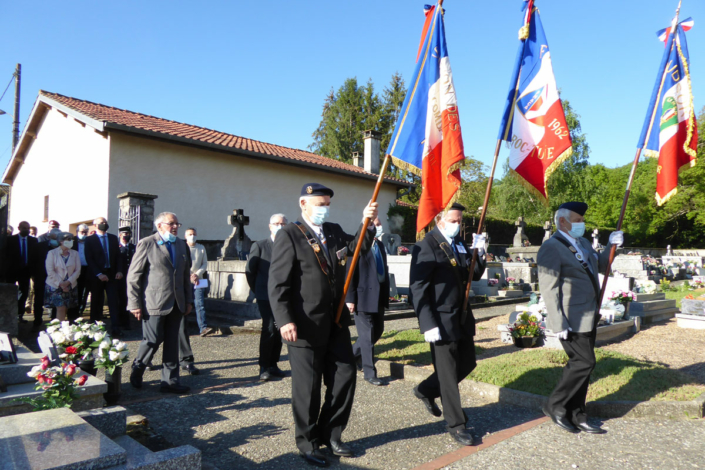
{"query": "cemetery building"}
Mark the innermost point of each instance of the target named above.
(200, 174)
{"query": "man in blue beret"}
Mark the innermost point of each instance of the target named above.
(569, 283)
(306, 281)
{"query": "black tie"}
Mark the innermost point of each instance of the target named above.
(104, 239)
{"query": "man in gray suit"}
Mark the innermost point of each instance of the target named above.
(160, 293)
(569, 284)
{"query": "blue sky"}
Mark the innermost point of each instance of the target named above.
(262, 69)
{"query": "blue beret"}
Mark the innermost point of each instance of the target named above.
(315, 189)
(577, 207)
(456, 207)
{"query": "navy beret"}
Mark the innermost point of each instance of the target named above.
(125, 229)
(315, 189)
(577, 207)
(456, 207)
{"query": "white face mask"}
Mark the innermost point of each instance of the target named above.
(68, 243)
(81, 236)
(450, 230)
(191, 238)
(274, 229)
(379, 229)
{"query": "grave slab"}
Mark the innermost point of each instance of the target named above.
(111, 421)
(17, 373)
(511, 293)
(52, 439)
(693, 307)
(692, 322)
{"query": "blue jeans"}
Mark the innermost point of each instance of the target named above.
(199, 296)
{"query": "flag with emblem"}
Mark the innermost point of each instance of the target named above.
(533, 123)
(670, 132)
(427, 139)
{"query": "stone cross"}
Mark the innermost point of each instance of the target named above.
(391, 242)
(520, 236)
(547, 227)
(237, 245)
(595, 239)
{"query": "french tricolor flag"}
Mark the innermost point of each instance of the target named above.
(427, 139)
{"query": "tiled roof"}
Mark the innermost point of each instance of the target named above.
(401, 203)
(109, 114)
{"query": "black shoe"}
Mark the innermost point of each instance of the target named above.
(190, 369)
(136, 376)
(463, 437)
(590, 429)
(375, 381)
(265, 375)
(314, 457)
(340, 449)
(562, 422)
(358, 363)
(276, 372)
(178, 389)
(429, 403)
(151, 367)
(22, 320)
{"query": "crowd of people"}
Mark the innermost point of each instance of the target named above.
(297, 276)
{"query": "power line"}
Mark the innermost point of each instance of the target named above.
(7, 87)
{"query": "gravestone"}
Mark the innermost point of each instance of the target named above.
(520, 236)
(595, 239)
(238, 244)
(48, 348)
(547, 227)
(8, 309)
(391, 242)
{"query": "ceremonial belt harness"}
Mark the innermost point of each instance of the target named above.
(586, 267)
(451, 257)
(318, 251)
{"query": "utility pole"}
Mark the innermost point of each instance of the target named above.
(16, 117)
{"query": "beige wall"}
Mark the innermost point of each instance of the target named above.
(203, 187)
(68, 162)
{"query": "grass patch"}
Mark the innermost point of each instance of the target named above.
(406, 347)
(616, 376)
(680, 295)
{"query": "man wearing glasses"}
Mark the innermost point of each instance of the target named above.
(257, 271)
(160, 293)
(82, 285)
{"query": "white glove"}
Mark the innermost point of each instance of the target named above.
(478, 243)
(617, 238)
(564, 334)
(432, 335)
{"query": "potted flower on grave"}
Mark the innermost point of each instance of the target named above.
(625, 298)
(511, 282)
(402, 251)
(58, 384)
(76, 342)
(526, 331)
(492, 282)
(110, 355)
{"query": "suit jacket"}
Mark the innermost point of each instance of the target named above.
(40, 270)
(95, 256)
(300, 292)
(13, 257)
(57, 269)
(365, 290)
(154, 283)
(257, 269)
(437, 288)
(127, 252)
(566, 287)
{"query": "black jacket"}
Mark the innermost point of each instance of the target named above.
(126, 253)
(437, 288)
(257, 270)
(16, 269)
(365, 290)
(300, 292)
(95, 256)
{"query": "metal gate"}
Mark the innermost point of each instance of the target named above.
(131, 218)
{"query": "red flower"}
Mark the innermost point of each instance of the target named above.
(45, 363)
(71, 350)
(41, 378)
(82, 380)
(50, 380)
(70, 369)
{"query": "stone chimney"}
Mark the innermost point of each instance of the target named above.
(357, 160)
(372, 143)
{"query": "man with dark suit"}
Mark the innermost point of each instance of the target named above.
(569, 283)
(440, 269)
(106, 270)
(257, 271)
(21, 258)
(83, 284)
(160, 293)
(367, 298)
(127, 251)
(306, 281)
(53, 225)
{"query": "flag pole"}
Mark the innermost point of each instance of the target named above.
(613, 248)
(479, 228)
(360, 238)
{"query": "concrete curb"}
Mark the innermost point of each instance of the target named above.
(605, 409)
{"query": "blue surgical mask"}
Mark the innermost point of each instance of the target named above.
(577, 229)
(168, 237)
(450, 230)
(54, 242)
(379, 230)
(320, 214)
(275, 229)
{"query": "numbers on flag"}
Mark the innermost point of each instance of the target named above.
(558, 129)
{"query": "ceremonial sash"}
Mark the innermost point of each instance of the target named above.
(451, 257)
(585, 266)
(318, 252)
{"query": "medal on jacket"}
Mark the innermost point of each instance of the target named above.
(453, 262)
(315, 247)
(579, 257)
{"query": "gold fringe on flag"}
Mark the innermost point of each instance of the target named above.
(406, 166)
(547, 173)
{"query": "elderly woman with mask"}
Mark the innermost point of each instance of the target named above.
(63, 267)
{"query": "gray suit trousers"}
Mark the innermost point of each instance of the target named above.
(158, 329)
